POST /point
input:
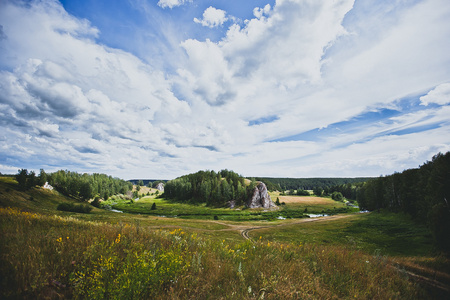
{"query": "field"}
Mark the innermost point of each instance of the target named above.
(306, 200)
(46, 253)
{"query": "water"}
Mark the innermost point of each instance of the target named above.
(317, 215)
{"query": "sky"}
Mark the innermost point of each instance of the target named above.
(285, 88)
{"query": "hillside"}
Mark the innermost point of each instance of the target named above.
(47, 253)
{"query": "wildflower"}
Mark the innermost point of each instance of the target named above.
(118, 239)
(59, 240)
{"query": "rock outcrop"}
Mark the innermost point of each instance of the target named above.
(160, 187)
(260, 197)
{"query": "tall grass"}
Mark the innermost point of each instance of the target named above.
(62, 257)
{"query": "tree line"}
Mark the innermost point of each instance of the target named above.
(151, 183)
(326, 184)
(209, 187)
(423, 193)
(82, 186)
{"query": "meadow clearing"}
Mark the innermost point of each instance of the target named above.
(46, 253)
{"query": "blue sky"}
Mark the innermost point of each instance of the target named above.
(286, 88)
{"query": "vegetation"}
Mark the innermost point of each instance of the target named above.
(86, 186)
(337, 196)
(302, 193)
(80, 208)
(423, 193)
(185, 247)
(209, 187)
(63, 257)
(283, 184)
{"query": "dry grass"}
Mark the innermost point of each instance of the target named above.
(53, 257)
(306, 200)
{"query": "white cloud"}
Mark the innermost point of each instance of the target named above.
(212, 17)
(439, 95)
(6, 169)
(172, 3)
(79, 100)
(67, 101)
(260, 12)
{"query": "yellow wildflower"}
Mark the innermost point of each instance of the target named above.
(118, 239)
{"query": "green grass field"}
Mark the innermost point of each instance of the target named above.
(46, 253)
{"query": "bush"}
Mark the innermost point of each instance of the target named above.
(96, 202)
(153, 206)
(302, 193)
(337, 196)
(79, 208)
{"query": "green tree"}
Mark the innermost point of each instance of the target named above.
(318, 191)
(86, 191)
(337, 196)
(42, 177)
(31, 180)
(153, 206)
(21, 178)
(96, 202)
(301, 192)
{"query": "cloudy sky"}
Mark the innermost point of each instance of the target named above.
(284, 88)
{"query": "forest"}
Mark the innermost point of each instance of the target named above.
(209, 187)
(81, 186)
(423, 193)
(283, 184)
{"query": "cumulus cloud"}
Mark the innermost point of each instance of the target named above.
(259, 12)
(439, 95)
(172, 3)
(212, 17)
(80, 99)
(68, 101)
(273, 56)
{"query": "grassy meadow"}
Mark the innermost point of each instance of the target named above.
(51, 254)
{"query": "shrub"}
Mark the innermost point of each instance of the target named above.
(337, 196)
(80, 208)
(96, 202)
(302, 193)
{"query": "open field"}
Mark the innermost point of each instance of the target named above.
(143, 190)
(307, 200)
(46, 253)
